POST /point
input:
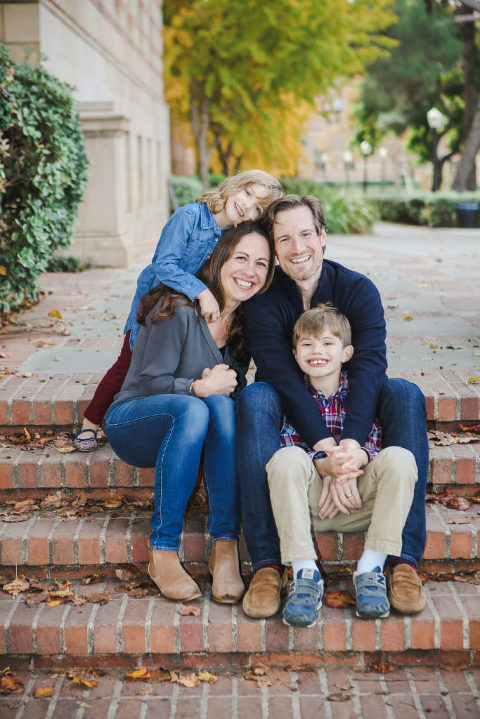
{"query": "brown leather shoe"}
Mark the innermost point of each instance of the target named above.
(263, 597)
(405, 590)
(170, 577)
(227, 583)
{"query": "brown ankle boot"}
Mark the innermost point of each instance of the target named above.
(170, 577)
(227, 584)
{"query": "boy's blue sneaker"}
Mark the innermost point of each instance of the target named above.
(371, 594)
(304, 599)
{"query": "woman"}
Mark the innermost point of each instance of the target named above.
(176, 400)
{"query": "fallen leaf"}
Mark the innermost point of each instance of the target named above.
(26, 374)
(186, 680)
(339, 697)
(97, 598)
(381, 668)
(432, 346)
(339, 599)
(460, 520)
(93, 579)
(4, 355)
(159, 675)
(143, 691)
(15, 517)
(458, 503)
(42, 343)
(83, 705)
(113, 503)
(207, 677)
(18, 585)
(127, 574)
(473, 380)
(33, 599)
(408, 318)
(344, 686)
(3, 270)
(42, 692)
(89, 683)
(11, 685)
(137, 674)
(55, 313)
(56, 602)
(185, 610)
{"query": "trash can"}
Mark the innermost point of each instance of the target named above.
(467, 214)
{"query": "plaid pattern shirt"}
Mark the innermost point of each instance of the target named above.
(333, 410)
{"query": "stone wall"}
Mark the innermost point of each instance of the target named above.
(111, 52)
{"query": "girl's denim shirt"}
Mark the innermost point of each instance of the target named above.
(187, 241)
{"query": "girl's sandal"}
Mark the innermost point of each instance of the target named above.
(88, 443)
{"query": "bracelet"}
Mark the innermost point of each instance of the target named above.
(191, 389)
(321, 454)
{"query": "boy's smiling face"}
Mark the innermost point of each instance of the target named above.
(321, 359)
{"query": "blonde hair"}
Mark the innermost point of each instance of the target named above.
(218, 196)
(315, 321)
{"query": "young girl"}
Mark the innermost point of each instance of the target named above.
(187, 241)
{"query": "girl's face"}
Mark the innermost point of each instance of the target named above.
(245, 204)
(245, 272)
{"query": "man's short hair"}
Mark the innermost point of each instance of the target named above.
(291, 202)
(315, 321)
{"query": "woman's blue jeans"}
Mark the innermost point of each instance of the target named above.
(168, 432)
(401, 412)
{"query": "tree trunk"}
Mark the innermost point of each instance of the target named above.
(200, 123)
(470, 53)
(472, 146)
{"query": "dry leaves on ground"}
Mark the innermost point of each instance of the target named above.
(9, 683)
(452, 501)
(445, 439)
(43, 692)
(187, 610)
(339, 599)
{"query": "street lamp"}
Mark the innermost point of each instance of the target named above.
(365, 149)
(348, 165)
(436, 120)
(321, 159)
(383, 152)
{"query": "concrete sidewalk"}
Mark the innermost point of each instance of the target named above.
(429, 280)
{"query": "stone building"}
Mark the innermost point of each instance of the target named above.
(111, 52)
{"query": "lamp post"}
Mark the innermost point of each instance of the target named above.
(382, 151)
(321, 159)
(436, 120)
(365, 149)
(348, 165)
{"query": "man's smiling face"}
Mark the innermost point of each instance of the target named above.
(298, 245)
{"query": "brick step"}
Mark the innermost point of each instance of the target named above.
(48, 546)
(130, 631)
(102, 473)
(45, 400)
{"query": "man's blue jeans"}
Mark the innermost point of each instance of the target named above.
(401, 412)
(168, 432)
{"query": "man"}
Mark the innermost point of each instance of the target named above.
(303, 280)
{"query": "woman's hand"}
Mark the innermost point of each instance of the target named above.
(208, 306)
(341, 463)
(218, 380)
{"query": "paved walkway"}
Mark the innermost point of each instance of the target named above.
(320, 694)
(429, 280)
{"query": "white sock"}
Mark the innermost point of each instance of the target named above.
(299, 564)
(369, 560)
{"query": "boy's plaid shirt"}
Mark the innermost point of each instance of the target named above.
(333, 410)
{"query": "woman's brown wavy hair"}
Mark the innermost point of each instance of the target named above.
(160, 302)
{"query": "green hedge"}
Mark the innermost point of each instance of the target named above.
(42, 175)
(187, 188)
(435, 209)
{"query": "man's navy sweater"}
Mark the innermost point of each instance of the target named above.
(269, 321)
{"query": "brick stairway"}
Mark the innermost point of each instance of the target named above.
(127, 631)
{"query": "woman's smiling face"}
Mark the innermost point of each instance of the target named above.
(245, 272)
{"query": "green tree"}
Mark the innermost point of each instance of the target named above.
(229, 63)
(433, 64)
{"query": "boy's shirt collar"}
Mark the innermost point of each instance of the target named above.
(342, 388)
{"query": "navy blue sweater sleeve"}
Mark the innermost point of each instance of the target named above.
(270, 318)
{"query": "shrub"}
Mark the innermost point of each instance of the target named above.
(345, 212)
(43, 175)
(187, 189)
(436, 209)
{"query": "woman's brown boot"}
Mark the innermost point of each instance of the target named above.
(170, 577)
(227, 583)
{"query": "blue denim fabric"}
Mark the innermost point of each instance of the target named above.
(401, 412)
(186, 242)
(168, 432)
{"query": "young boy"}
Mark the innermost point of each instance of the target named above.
(342, 490)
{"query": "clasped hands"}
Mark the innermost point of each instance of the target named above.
(339, 472)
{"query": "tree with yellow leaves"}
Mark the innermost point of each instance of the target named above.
(237, 69)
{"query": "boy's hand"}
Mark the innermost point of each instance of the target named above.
(340, 463)
(208, 306)
(326, 505)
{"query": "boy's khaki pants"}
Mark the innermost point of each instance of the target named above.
(386, 488)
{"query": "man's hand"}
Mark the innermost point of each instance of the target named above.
(346, 496)
(326, 505)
